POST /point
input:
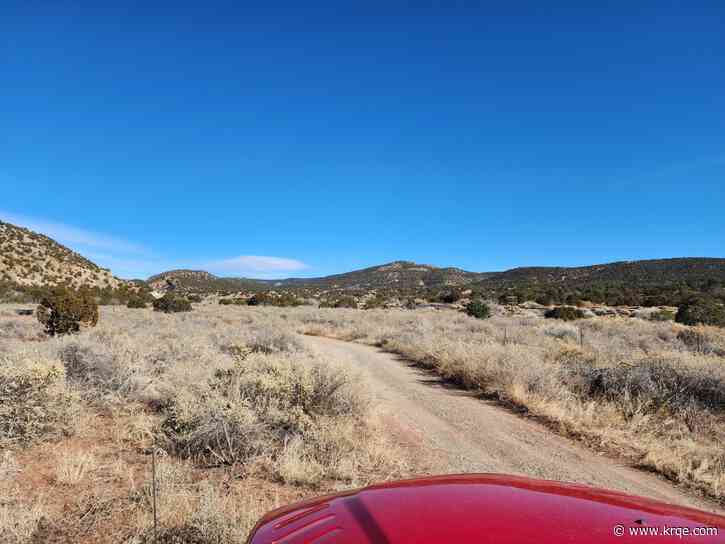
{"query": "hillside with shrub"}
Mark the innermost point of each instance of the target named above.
(31, 263)
(29, 259)
(397, 275)
(660, 282)
(200, 281)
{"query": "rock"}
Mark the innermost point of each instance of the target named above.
(531, 305)
(644, 313)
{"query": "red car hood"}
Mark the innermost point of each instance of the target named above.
(485, 508)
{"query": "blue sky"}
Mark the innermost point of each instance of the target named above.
(286, 140)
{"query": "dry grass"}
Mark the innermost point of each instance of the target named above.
(74, 466)
(245, 419)
(240, 414)
(654, 392)
(35, 401)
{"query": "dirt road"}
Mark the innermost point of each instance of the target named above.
(457, 432)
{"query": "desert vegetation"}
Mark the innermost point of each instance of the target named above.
(240, 416)
(651, 391)
(63, 311)
(172, 303)
(565, 313)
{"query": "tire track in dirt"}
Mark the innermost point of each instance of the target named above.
(463, 434)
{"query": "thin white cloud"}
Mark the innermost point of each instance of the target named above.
(74, 236)
(255, 265)
(129, 267)
(130, 260)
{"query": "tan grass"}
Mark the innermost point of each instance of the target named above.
(72, 466)
(217, 390)
(652, 391)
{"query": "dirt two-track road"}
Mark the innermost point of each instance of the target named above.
(456, 432)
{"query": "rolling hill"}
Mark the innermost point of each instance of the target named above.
(29, 259)
(200, 281)
(410, 275)
(645, 272)
(398, 274)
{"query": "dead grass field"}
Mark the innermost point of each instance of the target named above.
(652, 392)
(242, 418)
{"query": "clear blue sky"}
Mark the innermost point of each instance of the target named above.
(345, 134)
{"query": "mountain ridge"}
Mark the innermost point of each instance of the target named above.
(411, 275)
(31, 260)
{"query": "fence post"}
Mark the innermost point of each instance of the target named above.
(153, 487)
(581, 337)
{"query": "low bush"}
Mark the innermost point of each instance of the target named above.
(272, 299)
(450, 297)
(375, 303)
(566, 313)
(34, 400)
(136, 302)
(701, 311)
(647, 387)
(273, 408)
(478, 309)
(701, 340)
(63, 311)
(171, 304)
(339, 302)
(662, 315)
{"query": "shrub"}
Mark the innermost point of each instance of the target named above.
(478, 309)
(170, 304)
(230, 301)
(374, 302)
(662, 315)
(273, 299)
(194, 298)
(261, 404)
(257, 299)
(566, 313)
(346, 301)
(63, 311)
(135, 302)
(701, 311)
(34, 401)
(647, 387)
(450, 297)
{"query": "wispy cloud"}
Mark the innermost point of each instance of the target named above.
(74, 236)
(128, 259)
(130, 267)
(255, 265)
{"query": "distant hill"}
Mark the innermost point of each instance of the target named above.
(395, 275)
(29, 259)
(640, 273)
(410, 276)
(200, 281)
(398, 274)
(648, 282)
